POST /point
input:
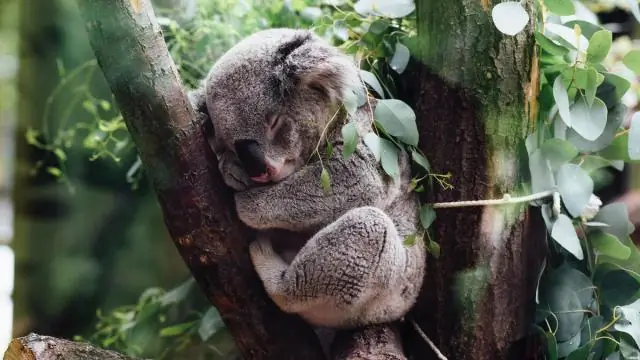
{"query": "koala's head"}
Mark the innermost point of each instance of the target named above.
(272, 94)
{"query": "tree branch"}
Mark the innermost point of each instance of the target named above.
(196, 205)
(37, 347)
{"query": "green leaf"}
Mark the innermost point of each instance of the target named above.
(379, 26)
(591, 86)
(575, 187)
(410, 240)
(509, 17)
(370, 79)
(558, 152)
(176, 329)
(599, 46)
(541, 175)
(389, 158)
(420, 160)
(609, 245)
(634, 137)
(561, 97)
(589, 121)
(350, 102)
(549, 46)
(54, 171)
(350, 138)
(618, 149)
(591, 163)
(397, 119)
(621, 84)
(210, 324)
(632, 61)
(434, 249)
(617, 216)
(328, 151)
(427, 216)
(582, 353)
(60, 154)
(564, 234)
(372, 141)
(400, 58)
(325, 181)
(630, 321)
(560, 7)
(177, 294)
(391, 9)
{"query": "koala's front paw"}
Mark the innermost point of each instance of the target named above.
(261, 252)
(234, 176)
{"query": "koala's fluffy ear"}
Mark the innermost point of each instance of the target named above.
(198, 102)
(314, 64)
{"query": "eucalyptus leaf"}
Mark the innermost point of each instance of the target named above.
(370, 79)
(350, 138)
(564, 234)
(561, 97)
(632, 61)
(325, 180)
(633, 6)
(621, 84)
(599, 46)
(591, 86)
(350, 102)
(630, 321)
(420, 160)
(558, 152)
(609, 245)
(372, 141)
(549, 45)
(589, 121)
(427, 216)
(614, 119)
(389, 158)
(567, 35)
(560, 7)
(400, 58)
(397, 119)
(590, 163)
(617, 216)
(509, 17)
(575, 187)
(210, 324)
(541, 175)
(634, 137)
(387, 8)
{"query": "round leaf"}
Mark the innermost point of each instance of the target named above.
(632, 61)
(560, 7)
(558, 152)
(634, 137)
(389, 158)
(397, 119)
(599, 46)
(400, 58)
(372, 81)
(609, 245)
(388, 8)
(510, 17)
(589, 121)
(561, 97)
(541, 175)
(575, 187)
(565, 235)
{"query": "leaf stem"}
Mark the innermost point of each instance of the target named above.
(506, 199)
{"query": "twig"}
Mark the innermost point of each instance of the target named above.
(506, 199)
(426, 338)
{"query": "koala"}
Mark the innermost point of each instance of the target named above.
(272, 99)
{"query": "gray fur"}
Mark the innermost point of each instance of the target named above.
(354, 269)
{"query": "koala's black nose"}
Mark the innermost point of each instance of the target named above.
(251, 157)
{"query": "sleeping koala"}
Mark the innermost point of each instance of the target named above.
(271, 98)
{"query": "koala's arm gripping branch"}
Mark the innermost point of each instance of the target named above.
(303, 204)
(197, 207)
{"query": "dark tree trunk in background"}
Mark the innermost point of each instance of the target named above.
(474, 91)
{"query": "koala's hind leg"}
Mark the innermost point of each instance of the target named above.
(334, 277)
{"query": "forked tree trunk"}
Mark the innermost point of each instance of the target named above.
(474, 91)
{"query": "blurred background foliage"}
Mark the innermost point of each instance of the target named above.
(93, 259)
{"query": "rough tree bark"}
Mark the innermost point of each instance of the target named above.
(197, 207)
(36, 347)
(475, 100)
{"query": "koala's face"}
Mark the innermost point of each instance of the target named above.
(271, 96)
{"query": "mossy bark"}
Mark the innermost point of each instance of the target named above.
(474, 92)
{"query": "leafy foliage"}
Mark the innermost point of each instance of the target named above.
(589, 290)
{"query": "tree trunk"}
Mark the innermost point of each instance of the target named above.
(197, 207)
(475, 100)
(36, 347)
